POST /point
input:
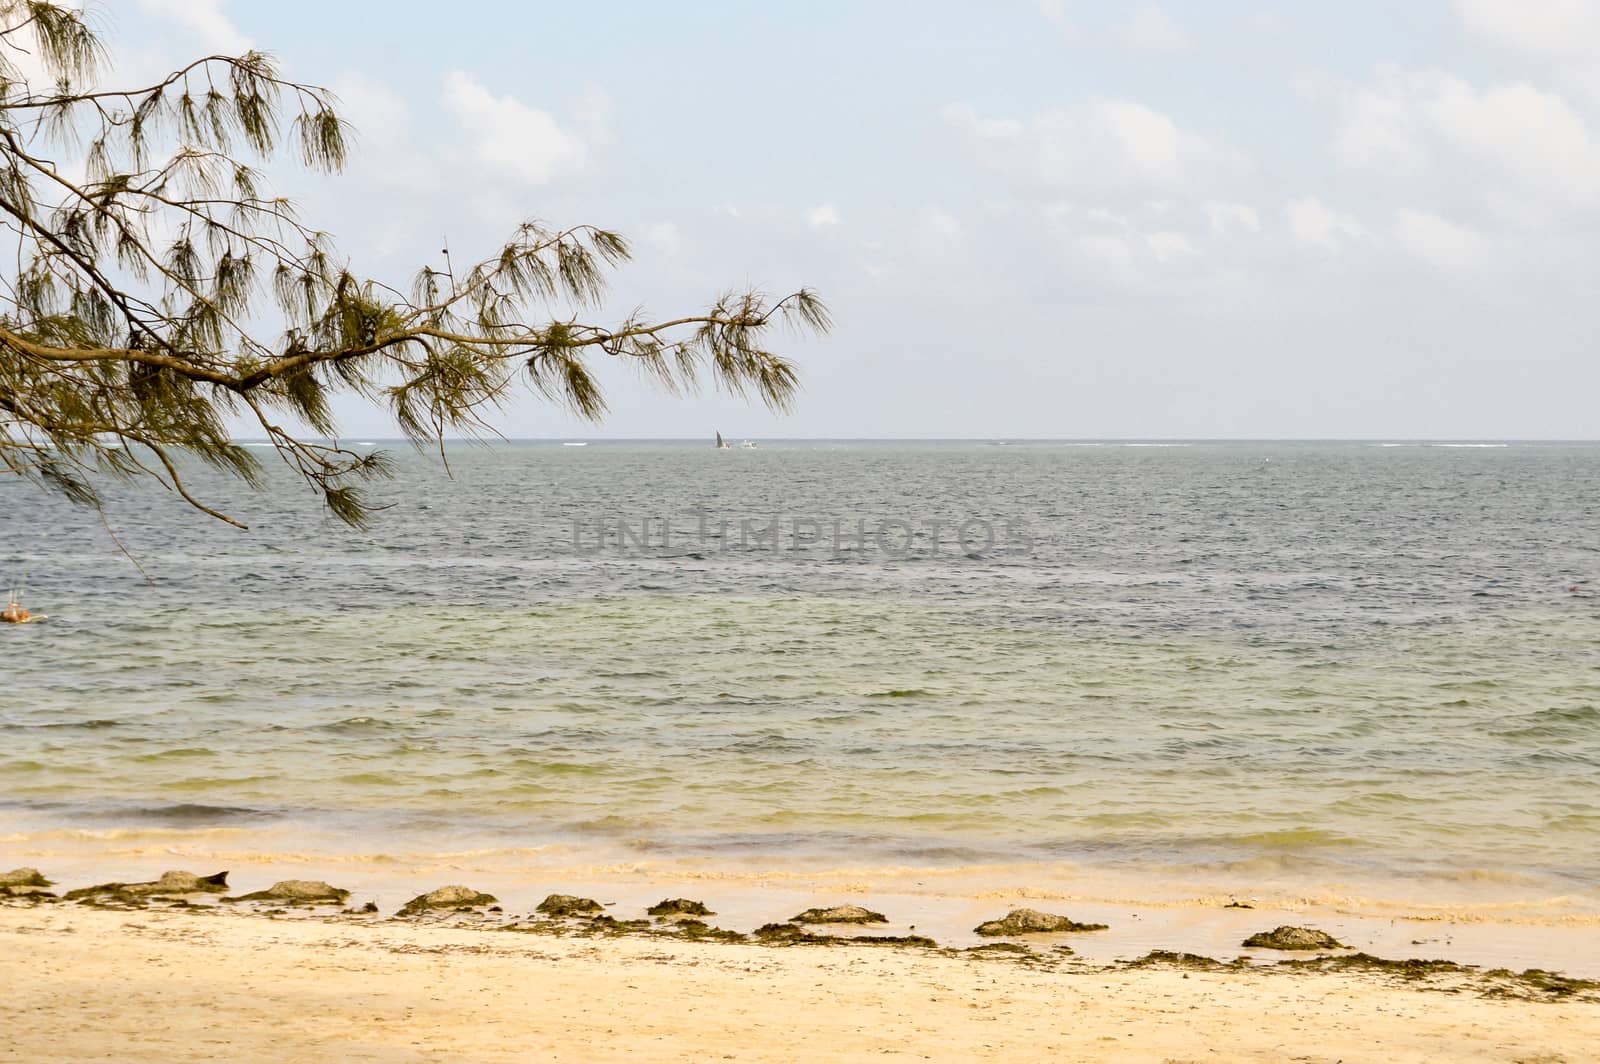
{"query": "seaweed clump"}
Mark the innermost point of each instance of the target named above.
(1541, 983)
(25, 883)
(672, 907)
(1001, 947)
(1031, 922)
(787, 934)
(170, 885)
(569, 905)
(452, 898)
(297, 892)
(790, 934)
(1293, 938)
(1533, 984)
(700, 931)
(1015, 951)
(1166, 958)
(611, 927)
(839, 914)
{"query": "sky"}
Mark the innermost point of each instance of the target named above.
(1031, 218)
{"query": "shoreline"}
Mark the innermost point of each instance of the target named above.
(944, 904)
(163, 984)
(1500, 893)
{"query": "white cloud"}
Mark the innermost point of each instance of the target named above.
(1439, 242)
(1227, 218)
(822, 217)
(1543, 29)
(1314, 224)
(379, 116)
(204, 20)
(508, 136)
(24, 54)
(1265, 22)
(1559, 40)
(1113, 259)
(1114, 148)
(1055, 13)
(1167, 246)
(1377, 134)
(593, 115)
(1153, 30)
(664, 237)
(938, 232)
(1153, 247)
(385, 149)
(1520, 151)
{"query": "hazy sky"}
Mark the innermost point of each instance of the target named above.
(1053, 218)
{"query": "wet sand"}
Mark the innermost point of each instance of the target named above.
(155, 985)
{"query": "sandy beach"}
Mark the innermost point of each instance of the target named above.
(86, 984)
(1050, 532)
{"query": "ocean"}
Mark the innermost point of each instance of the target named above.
(1348, 667)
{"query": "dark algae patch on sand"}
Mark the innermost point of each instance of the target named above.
(1165, 958)
(996, 948)
(700, 931)
(787, 934)
(611, 927)
(1016, 953)
(672, 907)
(1443, 976)
(790, 934)
(1534, 984)
(1552, 985)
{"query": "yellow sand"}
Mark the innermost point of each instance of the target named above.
(82, 985)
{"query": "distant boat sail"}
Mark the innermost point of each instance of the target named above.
(722, 444)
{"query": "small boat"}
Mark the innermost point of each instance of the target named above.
(580, 444)
(722, 444)
(747, 445)
(15, 614)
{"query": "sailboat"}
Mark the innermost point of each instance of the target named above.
(722, 444)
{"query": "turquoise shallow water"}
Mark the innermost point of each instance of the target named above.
(1362, 660)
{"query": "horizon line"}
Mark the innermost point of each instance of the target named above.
(959, 439)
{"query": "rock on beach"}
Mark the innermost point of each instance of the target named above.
(448, 898)
(839, 914)
(1032, 922)
(1293, 938)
